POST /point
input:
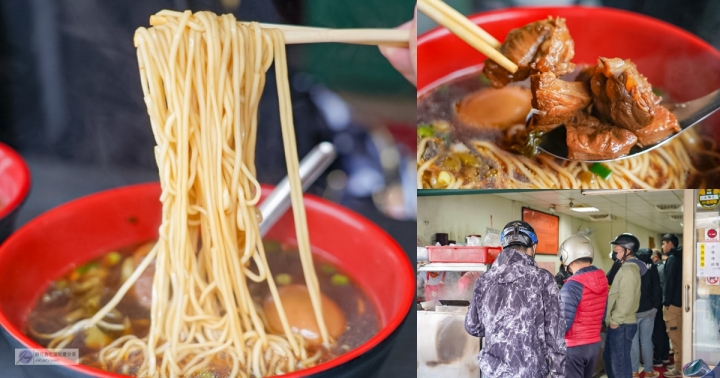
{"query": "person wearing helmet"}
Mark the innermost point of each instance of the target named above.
(583, 297)
(516, 308)
(623, 303)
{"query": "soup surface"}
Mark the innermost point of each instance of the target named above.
(83, 291)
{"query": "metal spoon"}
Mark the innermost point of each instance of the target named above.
(311, 167)
(688, 114)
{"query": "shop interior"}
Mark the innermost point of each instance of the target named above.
(468, 219)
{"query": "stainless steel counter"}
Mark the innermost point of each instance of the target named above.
(444, 349)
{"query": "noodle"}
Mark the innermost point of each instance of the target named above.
(202, 78)
(670, 166)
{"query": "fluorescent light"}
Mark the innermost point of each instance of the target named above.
(585, 209)
(609, 192)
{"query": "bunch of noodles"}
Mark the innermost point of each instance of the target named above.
(202, 77)
(683, 161)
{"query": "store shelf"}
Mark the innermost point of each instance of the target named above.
(463, 192)
(453, 267)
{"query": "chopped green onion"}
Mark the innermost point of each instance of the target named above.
(339, 280)
(658, 92)
(271, 245)
(328, 269)
(447, 138)
(283, 279)
(601, 170)
(530, 148)
(113, 258)
(84, 269)
(95, 338)
(425, 131)
(484, 79)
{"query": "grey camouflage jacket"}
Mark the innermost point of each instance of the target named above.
(516, 308)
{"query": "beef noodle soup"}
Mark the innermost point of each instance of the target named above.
(351, 319)
(481, 128)
(454, 151)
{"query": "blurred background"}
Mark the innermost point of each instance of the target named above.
(71, 104)
(700, 17)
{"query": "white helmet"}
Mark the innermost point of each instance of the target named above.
(575, 247)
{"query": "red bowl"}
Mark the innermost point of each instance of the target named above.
(672, 59)
(84, 229)
(14, 188)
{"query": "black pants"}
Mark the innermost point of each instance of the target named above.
(581, 360)
(661, 342)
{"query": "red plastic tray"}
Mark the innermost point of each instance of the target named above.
(472, 254)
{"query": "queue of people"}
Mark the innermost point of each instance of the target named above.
(537, 325)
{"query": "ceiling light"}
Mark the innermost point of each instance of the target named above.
(586, 209)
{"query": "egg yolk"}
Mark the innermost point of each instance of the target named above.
(491, 107)
(301, 316)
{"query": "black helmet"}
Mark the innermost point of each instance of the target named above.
(627, 241)
(518, 233)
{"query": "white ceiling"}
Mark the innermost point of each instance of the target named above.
(638, 208)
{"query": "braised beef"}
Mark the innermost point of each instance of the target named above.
(556, 100)
(542, 46)
(663, 125)
(622, 96)
(590, 139)
(137, 301)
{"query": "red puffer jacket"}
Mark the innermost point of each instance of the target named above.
(584, 298)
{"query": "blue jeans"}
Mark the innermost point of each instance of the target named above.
(617, 351)
(645, 324)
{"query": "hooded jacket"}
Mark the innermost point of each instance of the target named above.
(673, 278)
(650, 289)
(584, 297)
(624, 296)
(516, 308)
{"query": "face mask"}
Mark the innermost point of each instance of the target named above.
(613, 256)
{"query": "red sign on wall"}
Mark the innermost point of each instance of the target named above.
(547, 228)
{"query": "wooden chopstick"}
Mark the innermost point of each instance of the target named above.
(302, 34)
(295, 34)
(459, 25)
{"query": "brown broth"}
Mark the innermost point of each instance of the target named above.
(58, 305)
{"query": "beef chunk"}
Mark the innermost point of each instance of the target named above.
(590, 139)
(663, 125)
(138, 300)
(542, 46)
(556, 99)
(622, 96)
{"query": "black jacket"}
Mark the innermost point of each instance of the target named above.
(673, 278)
(650, 289)
(613, 271)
